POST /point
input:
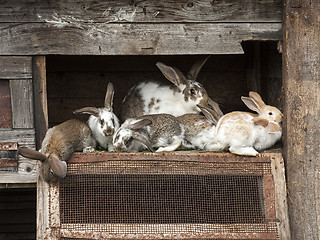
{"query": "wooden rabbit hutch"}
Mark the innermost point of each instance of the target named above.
(59, 56)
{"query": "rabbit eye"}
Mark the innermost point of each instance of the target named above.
(192, 91)
(101, 121)
(270, 113)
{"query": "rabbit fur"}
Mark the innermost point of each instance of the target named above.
(200, 130)
(162, 131)
(58, 145)
(102, 121)
(150, 97)
(245, 133)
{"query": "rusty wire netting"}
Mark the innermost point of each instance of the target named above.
(155, 197)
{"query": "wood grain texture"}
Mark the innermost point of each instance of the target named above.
(5, 105)
(73, 38)
(22, 103)
(143, 11)
(40, 98)
(301, 74)
(24, 137)
(15, 67)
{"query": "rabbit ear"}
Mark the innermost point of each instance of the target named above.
(88, 110)
(251, 104)
(260, 121)
(58, 167)
(273, 127)
(210, 114)
(139, 137)
(215, 107)
(257, 99)
(141, 123)
(108, 101)
(29, 153)
(196, 67)
(172, 74)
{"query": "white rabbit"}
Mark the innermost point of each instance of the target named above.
(200, 130)
(244, 133)
(150, 97)
(162, 131)
(102, 122)
(58, 145)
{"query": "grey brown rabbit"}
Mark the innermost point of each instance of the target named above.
(58, 145)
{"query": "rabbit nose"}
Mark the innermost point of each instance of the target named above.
(108, 131)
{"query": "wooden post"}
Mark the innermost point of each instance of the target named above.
(40, 98)
(301, 81)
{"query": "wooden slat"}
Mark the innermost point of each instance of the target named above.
(5, 104)
(22, 103)
(40, 98)
(24, 137)
(301, 74)
(142, 11)
(14, 67)
(131, 39)
(43, 207)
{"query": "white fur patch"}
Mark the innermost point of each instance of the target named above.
(110, 120)
(163, 99)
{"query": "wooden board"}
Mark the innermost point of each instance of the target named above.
(22, 103)
(5, 104)
(40, 98)
(301, 74)
(76, 38)
(143, 11)
(15, 67)
(24, 137)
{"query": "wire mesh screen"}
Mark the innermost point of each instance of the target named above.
(157, 197)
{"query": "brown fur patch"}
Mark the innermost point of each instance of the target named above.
(152, 103)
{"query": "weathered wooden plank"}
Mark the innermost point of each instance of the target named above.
(22, 103)
(40, 98)
(301, 74)
(5, 104)
(24, 137)
(280, 195)
(131, 39)
(142, 11)
(15, 67)
(42, 206)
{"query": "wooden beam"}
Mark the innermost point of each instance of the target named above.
(40, 98)
(301, 74)
(59, 36)
(14, 67)
(143, 11)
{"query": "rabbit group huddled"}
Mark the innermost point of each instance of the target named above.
(160, 118)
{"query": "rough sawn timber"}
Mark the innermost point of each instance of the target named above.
(77, 38)
(301, 80)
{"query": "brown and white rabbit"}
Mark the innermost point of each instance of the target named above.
(244, 133)
(200, 130)
(102, 122)
(162, 131)
(58, 145)
(150, 97)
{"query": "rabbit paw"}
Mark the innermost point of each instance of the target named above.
(88, 149)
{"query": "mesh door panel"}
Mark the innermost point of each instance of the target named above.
(157, 197)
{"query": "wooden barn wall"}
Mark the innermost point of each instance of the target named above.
(135, 27)
(301, 77)
(16, 73)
